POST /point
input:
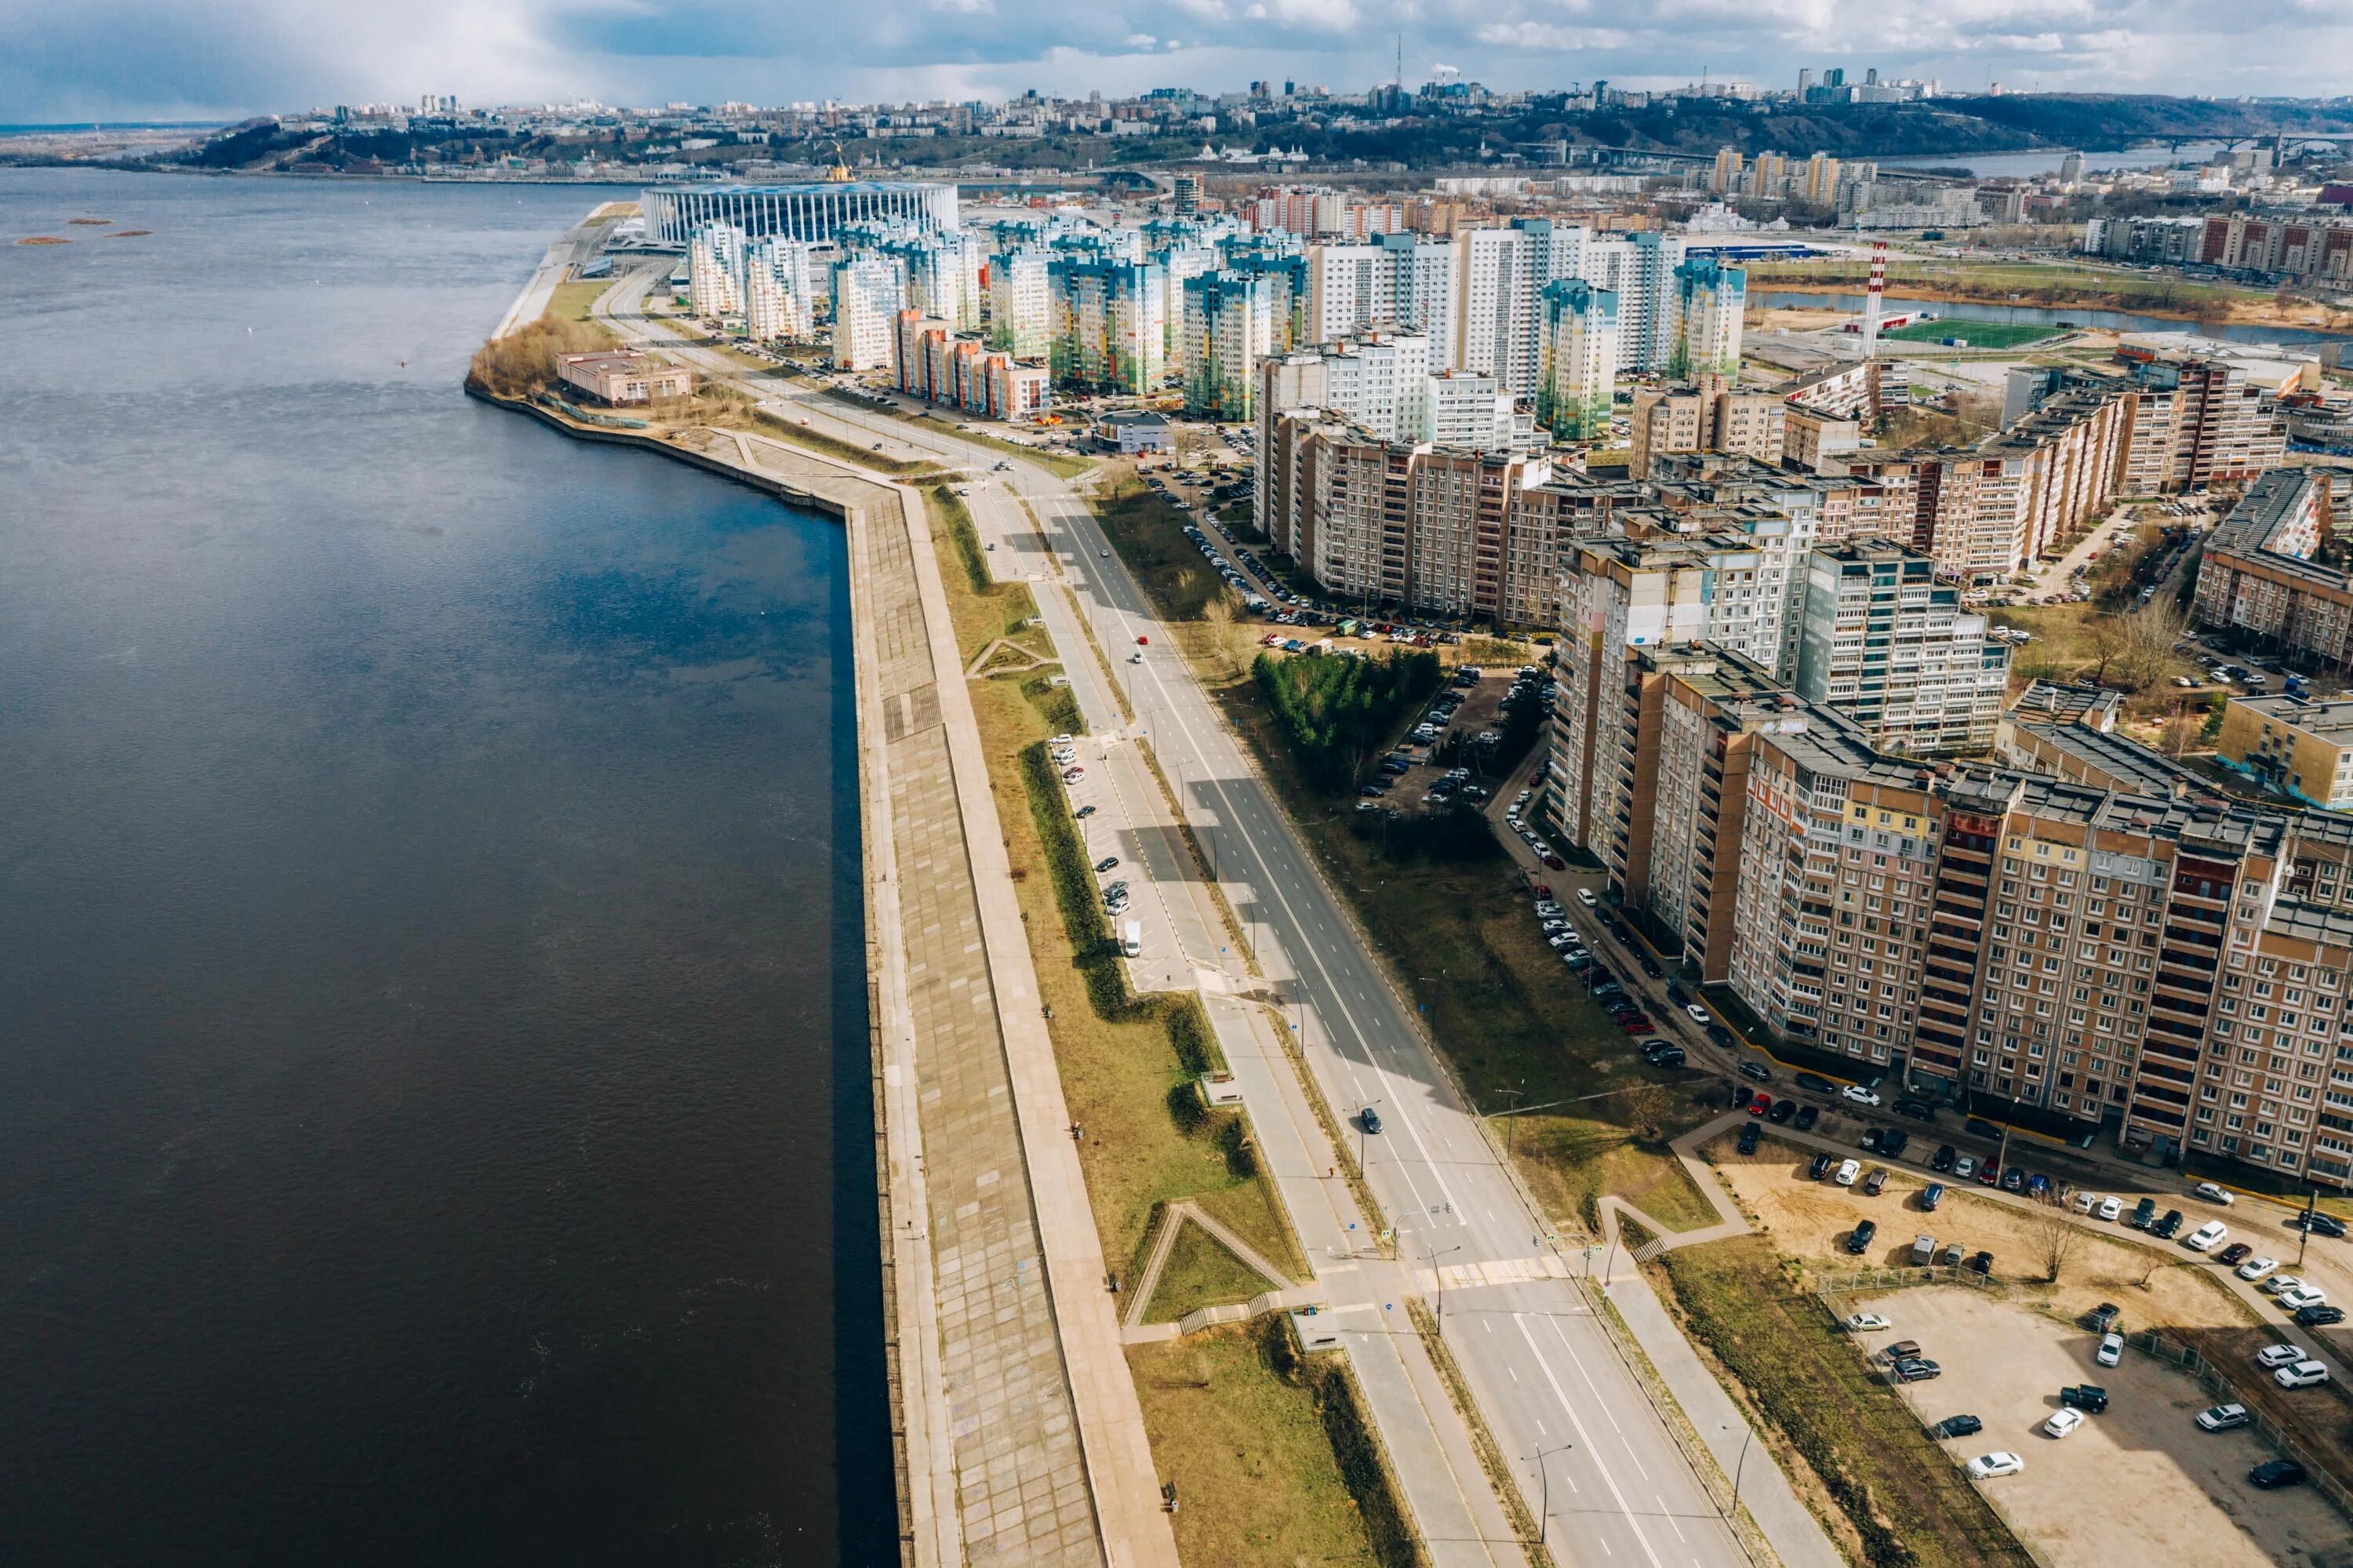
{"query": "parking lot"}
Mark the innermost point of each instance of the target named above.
(2136, 1484)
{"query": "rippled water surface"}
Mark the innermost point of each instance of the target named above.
(434, 1124)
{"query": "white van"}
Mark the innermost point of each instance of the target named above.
(1130, 940)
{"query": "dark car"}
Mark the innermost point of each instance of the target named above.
(1870, 1140)
(1931, 1195)
(1675, 994)
(1821, 1166)
(1756, 1072)
(1874, 1183)
(1894, 1142)
(1806, 1116)
(2276, 1473)
(1942, 1160)
(1956, 1426)
(1817, 1083)
(1978, 1127)
(1650, 965)
(2103, 1317)
(1672, 1056)
(1723, 1037)
(2164, 1228)
(1108, 863)
(1750, 1135)
(2318, 1316)
(2089, 1398)
(2317, 1224)
(1981, 1264)
(1860, 1237)
(1782, 1112)
(1919, 1370)
(1918, 1110)
(2143, 1212)
(2232, 1256)
(1083, 812)
(1371, 1119)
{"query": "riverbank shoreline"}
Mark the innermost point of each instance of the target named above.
(2255, 311)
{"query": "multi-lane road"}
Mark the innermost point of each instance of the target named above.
(1582, 1439)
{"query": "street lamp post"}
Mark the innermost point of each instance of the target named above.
(1739, 1467)
(1544, 1509)
(1362, 1117)
(1431, 1258)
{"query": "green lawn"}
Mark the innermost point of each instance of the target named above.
(1906, 1497)
(1149, 534)
(1978, 335)
(1257, 1477)
(1068, 467)
(833, 447)
(1202, 1272)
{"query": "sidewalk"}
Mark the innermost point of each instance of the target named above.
(1795, 1535)
(1453, 1505)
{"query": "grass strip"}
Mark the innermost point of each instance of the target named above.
(1903, 1496)
(800, 435)
(1056, 463)
(1525, 1527)
(1364, 1465)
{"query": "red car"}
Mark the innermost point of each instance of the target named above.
(1989, 1173)
(1760, 1103)
(1638, 1026)
(1555, 862)
(1141, 641)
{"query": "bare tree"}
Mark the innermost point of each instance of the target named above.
(2150, 634)
(2179, 731)
(2056, 1241)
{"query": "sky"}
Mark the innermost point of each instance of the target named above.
(167, 60)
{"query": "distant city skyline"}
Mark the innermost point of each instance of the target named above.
(140, 59)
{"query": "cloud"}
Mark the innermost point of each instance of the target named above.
(66, 59)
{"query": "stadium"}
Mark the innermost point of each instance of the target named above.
(805, 212)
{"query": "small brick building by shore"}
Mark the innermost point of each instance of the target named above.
(624, 376)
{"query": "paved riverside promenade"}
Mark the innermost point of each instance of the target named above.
(1019, 1436)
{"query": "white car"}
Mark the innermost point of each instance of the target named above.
(1867, 1323)
(2279, 1356)
(2206, 1237)
(1847, 1171)
(2212, 1194)
(1585, 896)
(2063, 1422)
(2111, 1208)
(2301, 1296)
(2257, 1267)
(1859, 1094)
(2111, 1351)
(2086, 1201)
(2303, 1374)
(2280, 1282)
(1697, 1013)
(2222, 1418)
(1985, 1466)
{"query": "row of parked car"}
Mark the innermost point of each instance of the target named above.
(1601, 984)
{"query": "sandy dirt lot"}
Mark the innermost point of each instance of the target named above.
(2167, 1288)
(2137, 1485)
(1812, 1219)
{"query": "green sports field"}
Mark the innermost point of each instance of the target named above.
(1978, 335)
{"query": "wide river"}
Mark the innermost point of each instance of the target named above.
(434, 1113)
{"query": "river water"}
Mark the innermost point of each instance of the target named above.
(434, 1121)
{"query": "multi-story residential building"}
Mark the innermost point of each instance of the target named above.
(1577, 361)
(1406, 523)
(1888, 645)
(772, 312)
(1710, 303)
(714, 271)
(2264, 242)
(1495, 305)
(867, 298)
(1107, 329)
(1228, 328)
(2300, 746)
(2165, 968)
(1639, 269)
(1021, 309)
(1708, 416)
(2256, 575)
(1822, 180)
